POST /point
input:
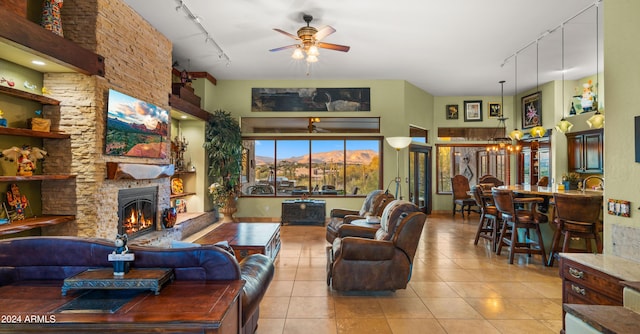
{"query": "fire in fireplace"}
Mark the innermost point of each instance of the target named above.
(137, 210)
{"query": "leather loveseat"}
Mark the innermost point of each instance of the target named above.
(57, 258)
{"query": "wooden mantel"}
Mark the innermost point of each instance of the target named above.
(120, 171)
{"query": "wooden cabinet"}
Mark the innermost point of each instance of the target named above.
(585, 151)
(303, 211)
(582, 284)
(534, 161)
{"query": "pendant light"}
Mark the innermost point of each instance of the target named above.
(516, 134)
(597, 120)
(538, 130)
(564, 126)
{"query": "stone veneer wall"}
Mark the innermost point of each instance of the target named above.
(137, 63)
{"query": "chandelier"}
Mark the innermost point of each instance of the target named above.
(502, 144)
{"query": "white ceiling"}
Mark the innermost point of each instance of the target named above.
(445, 47)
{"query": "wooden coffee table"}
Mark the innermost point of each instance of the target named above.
(246, 238)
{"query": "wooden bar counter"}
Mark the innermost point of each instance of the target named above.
(182, 306)
(526, 189)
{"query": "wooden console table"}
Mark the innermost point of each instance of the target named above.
(303, 211)
(182, 307)
(246, 238)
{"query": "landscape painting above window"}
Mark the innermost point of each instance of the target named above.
(135, 128)
(310, 99)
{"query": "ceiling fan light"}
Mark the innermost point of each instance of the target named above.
(312, 59)
(297, 54)
(313, 51)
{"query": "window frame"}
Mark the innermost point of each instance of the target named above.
(310, 139)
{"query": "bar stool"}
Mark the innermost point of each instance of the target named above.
(515, 219)
(576, 217)
(488, 226)
(459, 191)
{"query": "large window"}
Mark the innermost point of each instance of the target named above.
(472, 161)
(320, 167)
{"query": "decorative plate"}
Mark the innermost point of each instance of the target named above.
(177, 186)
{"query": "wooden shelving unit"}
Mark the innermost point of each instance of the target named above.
(37, 177)
(29, 96)
(31, 133)
(182, 195)
(31, 223)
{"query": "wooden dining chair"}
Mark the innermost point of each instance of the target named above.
(461, 197)
(488, 226)
(576, 217)
(517, 220)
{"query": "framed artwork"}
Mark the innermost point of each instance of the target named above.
(311, 99)
(532, 110)
(136, 128)
(473, 111)
(452, 111)
(495, 110)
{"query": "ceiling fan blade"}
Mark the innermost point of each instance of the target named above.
(284, 47)
(324, 32)
(286, 33)
(336, 47)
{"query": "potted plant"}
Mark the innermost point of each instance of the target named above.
(223, 145)
(571, 180)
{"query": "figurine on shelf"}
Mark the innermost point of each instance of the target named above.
(51, 16)
(3, 121)
(26, 158)
(18, 203)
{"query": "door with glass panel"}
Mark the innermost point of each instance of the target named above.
(419, 177)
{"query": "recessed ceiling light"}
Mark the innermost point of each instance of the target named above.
(183, 117)
(38, 62)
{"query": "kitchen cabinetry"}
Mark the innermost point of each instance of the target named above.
(534, 161)
(582, 284)
(585, 151)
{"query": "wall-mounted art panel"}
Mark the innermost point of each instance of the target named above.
(310, 99)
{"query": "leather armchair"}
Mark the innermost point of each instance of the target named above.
(373, 205)
(363, 258)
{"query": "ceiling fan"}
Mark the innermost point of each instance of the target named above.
(310, 40)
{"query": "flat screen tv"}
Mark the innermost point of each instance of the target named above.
(135, 128)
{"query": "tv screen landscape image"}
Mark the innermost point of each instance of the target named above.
(135, 128)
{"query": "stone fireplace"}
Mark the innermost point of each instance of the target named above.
(137, 211)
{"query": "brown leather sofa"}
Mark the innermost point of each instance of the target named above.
(373, 205)
(364, 258)
(56, 258)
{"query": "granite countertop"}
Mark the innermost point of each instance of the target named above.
(616, 266)
(606, 319)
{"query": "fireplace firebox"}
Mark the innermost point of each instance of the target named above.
(137, 210)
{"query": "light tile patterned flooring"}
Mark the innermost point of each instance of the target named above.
(456, 288)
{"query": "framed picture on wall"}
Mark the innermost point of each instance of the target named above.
(473, 111)
(495, 110)
(532, 110)
(452, 111)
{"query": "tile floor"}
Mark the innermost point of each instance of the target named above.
(456, 288)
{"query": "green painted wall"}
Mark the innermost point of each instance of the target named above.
(396, 102)
(621, 66)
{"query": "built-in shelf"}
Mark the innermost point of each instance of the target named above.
(31, 223)
(183, 172)
(31, 133)
(29, 96)
(37, 177)
(182, 195)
